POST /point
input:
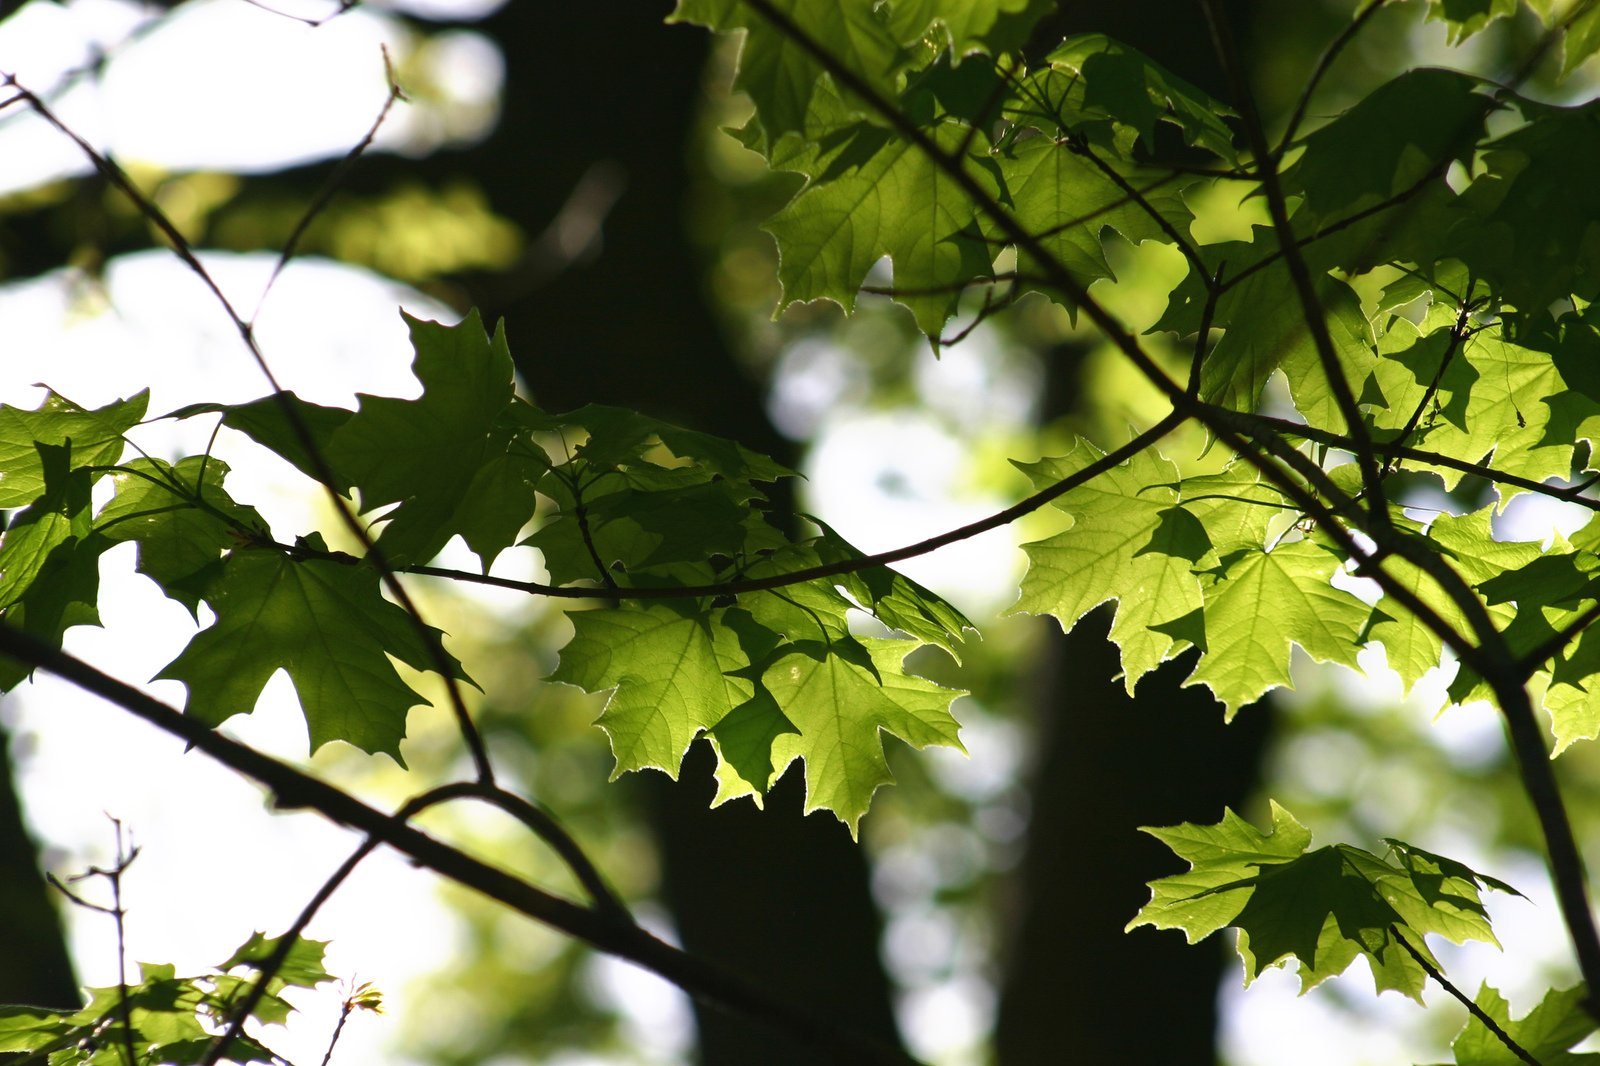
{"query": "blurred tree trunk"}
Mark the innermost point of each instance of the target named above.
(1075, 986)
(34, 965)
(782, 899)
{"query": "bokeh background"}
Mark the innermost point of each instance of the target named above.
(562, 166)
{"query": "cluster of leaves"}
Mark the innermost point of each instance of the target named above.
(167, 1020)
(1424, 295)
(632, 506)
(1425, 292)
(1326, 907)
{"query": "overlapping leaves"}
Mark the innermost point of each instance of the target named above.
(1183, 578)
(616, 501)
(165, 1019)
(1322, 908)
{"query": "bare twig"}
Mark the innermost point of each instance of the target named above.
(335, 180)
(125, 856)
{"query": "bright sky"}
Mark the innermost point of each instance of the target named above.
(215, 865)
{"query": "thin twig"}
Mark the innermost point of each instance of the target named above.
(330, 188)
(294, 788)
(1472, 1008)
(1324, 62)
(125, 857)
(1299, 272)
(439, 659)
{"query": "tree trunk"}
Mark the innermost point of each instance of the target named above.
(780, 898)
(34, 965)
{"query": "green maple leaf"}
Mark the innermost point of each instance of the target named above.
(894, 599)
(1406, 129)
(1254, 344)
(1468, 546)
(1265, 602)
(1493, 396)
(1062, 195)
(673, 671)
(181, 541)
(268, 422)
(883, 196)
(96, 438)
(324, 622)
(1128, 542)
(962, 25)
(1524, 231)
(616, 438)
(1467, 17)
(1094, 83)
(840, 705)
(451, 459)
(1547, 1032)
(302, 968)
(653, 501)
(764, 700)
(779, 75)
(24, 1028)
(50, 556)
(1322, 908)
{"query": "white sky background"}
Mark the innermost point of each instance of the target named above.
(215, 865)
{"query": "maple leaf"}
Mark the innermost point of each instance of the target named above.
(1061, 194)
(1101, 81)
(963, 25)
(1521, 231)
(674, 675)
(181, 518)
(1404, 130)
(779, 74)
(1322, 908)
(838, 707)
(1547, 1032)
(885, 197)
(1128, 542)
(1264, 602)
(271, 423)
(96, 437)
(765, 701)
(1491, 397)
(324, 622)
(451, 459)
(49, 555)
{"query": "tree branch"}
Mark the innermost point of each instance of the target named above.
(293, 788)
(1472, 1008)
(439, 658)
(1310, 303)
